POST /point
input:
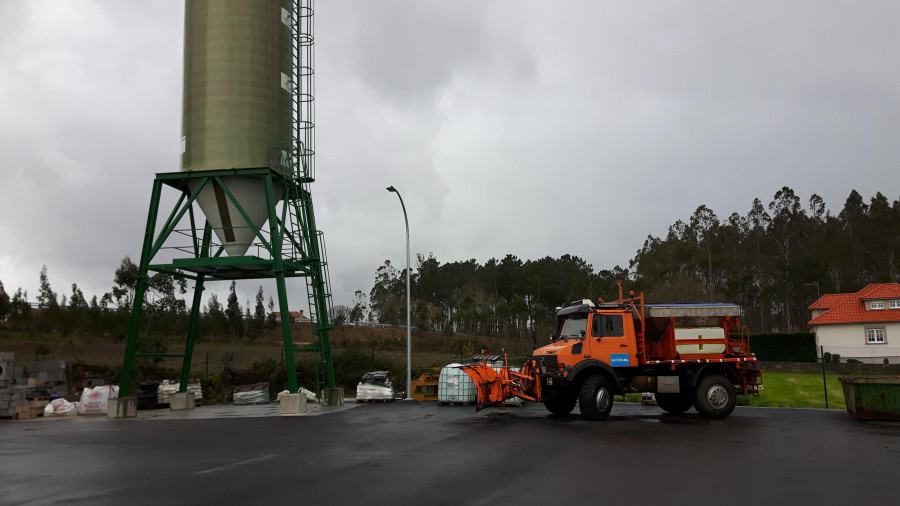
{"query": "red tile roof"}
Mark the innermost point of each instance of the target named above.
(849, 307)
(830, 300)
(880, 291)
(297, 315)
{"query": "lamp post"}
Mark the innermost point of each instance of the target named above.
(408, 339)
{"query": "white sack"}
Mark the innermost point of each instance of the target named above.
(60, 407)
(96, 400)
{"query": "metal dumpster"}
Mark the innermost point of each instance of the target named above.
(872, 397)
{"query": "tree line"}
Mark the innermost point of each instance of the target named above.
(508, 298)
(774, 261)
(166, 313)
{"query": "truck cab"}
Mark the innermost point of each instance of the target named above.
(586, 333)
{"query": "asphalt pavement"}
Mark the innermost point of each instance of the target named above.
(420, 453)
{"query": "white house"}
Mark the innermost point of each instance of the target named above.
(864, 325)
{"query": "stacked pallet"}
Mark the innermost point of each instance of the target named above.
(22, 401)
(33, 409)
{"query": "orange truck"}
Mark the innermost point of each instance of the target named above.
(686, 354)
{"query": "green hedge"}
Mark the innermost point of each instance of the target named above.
(784, 346)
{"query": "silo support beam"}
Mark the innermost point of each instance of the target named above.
(286, 331)
(178, 211)
(140, 291)
(191, 336)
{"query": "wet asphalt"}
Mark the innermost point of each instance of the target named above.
(420, 453)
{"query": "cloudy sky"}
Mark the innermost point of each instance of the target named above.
(523, 127)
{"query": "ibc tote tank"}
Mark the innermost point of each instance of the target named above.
(236, 104)
(455, 386)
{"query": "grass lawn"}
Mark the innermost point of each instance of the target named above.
(789, 390)
(783, 389)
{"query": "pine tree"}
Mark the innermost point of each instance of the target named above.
(234, 314)
(5, 303)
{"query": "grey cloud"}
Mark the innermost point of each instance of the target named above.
(498, 120)
(408, 51)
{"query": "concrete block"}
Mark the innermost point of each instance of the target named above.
(334, 396)
(292, 404)
(182, 400)
(122, 407)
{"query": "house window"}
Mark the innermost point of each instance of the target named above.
(875, 335)
(895, 304)
(876, 304)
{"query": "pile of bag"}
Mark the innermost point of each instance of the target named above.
(60, 407)
(94, 401)
(257, 393)
(310, 395)
(167, 388)
(375, 386)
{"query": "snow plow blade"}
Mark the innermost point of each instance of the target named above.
(494, 386)
(488, 386)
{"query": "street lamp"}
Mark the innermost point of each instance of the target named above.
(408, 339)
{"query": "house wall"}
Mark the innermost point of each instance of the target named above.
(849, 341)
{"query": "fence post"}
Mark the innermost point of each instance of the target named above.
(824, 383)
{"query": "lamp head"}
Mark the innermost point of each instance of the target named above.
(391, 189)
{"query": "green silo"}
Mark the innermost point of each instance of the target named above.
(236, 104)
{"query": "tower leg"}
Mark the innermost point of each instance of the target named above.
(286, 332)
(140, 290)
(323, 324)
(130, 344)
(192, 335)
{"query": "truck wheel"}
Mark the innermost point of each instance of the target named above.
(715, 397)
(596, 398)
(561, 403)
(674, 403)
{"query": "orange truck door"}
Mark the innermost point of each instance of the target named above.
(609, 340)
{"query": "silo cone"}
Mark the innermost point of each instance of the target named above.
(230, 226)
(236, 105)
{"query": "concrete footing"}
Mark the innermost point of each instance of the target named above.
(334, 396)
(292, 404)
(122, 407)
(182, 400)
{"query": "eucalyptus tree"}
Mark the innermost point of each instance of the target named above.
(5, 303)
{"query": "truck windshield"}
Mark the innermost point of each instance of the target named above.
(574, 326)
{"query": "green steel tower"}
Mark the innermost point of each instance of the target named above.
(247, 164)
